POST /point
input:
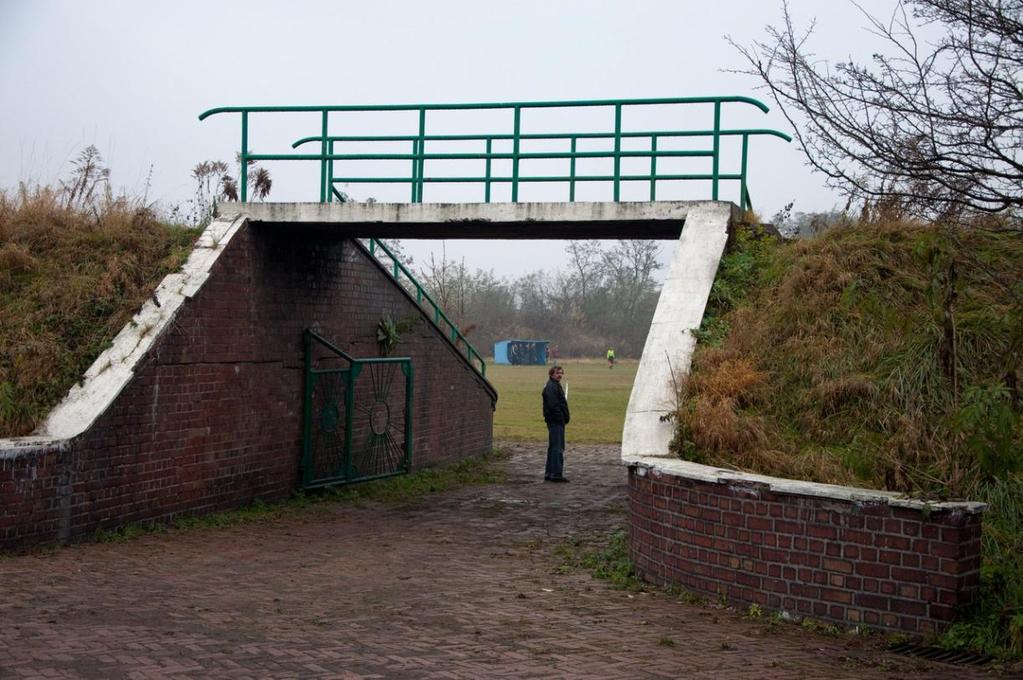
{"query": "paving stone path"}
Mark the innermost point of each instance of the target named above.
(466, 586)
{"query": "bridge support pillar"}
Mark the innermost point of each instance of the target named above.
(670, 342)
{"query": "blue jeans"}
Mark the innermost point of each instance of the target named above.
(555, 451)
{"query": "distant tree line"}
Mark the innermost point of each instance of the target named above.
(605, 297)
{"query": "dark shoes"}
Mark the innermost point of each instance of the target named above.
(555, 479)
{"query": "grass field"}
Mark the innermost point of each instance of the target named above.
(597, 398)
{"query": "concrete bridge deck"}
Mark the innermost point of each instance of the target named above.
(629, 220)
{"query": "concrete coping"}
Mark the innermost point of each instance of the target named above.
(17, 447)
(705, 473)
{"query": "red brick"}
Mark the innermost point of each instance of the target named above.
(841, 566)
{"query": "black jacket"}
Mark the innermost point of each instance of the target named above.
(555, 406)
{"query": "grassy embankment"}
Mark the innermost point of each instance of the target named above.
(887, 356)
(597, 398)
(70, 278)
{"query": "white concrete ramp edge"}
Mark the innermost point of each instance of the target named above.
(114, 368)
(669, 347)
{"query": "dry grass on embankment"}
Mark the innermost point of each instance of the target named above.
(888, 356)
(70, 278)
(879, 355)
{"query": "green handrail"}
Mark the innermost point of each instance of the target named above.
(439, 317)
(418, 154)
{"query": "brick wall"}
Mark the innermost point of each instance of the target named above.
(212, 419)
(845, 561)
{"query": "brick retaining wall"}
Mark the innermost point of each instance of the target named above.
(212, 418)
(853, 558)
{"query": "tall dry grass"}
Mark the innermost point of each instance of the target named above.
(887, 355)
(75, 265)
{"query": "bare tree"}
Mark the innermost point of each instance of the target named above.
(934, 129)
(630, 268)
(585, 257)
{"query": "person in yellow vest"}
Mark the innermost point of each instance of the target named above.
(610, 357)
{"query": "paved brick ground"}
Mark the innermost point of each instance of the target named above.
(466, 587)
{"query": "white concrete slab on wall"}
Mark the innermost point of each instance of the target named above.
(670, 342)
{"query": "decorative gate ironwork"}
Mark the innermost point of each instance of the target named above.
(357, 416)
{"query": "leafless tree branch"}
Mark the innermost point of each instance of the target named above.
(936, 128)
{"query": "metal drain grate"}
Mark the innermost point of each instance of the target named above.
(940, 655)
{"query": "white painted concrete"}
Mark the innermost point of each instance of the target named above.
(112, 370)
(670, 465)
(669, 346)
(438, 213)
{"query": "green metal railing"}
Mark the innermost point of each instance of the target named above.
(418, 141)
(423, 298)
(338, 447)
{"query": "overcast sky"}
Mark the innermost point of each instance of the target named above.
(131, 77)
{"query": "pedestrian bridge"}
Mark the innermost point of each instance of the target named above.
(263, 366)
(496, 154)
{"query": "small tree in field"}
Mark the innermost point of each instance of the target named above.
(933, 128)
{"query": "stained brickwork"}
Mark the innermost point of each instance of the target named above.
(213, 417)
(841, 561)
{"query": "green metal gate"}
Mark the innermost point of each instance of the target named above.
(357, 416)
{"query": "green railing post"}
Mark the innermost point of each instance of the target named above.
(330, 173)
(717, 150)
(353, 374)
(324, 150)
(515, 155)
(653, 167)
(421, 154)
(372, 246)
(486, 192)
(618, 151)
(409, 379)
(742, 174)
(243, 172)
(571, 174)
(415, 169)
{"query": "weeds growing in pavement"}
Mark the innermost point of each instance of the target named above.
(400, 492)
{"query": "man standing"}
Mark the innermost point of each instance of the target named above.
(555, 414)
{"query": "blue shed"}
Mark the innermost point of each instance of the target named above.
(521, 352)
